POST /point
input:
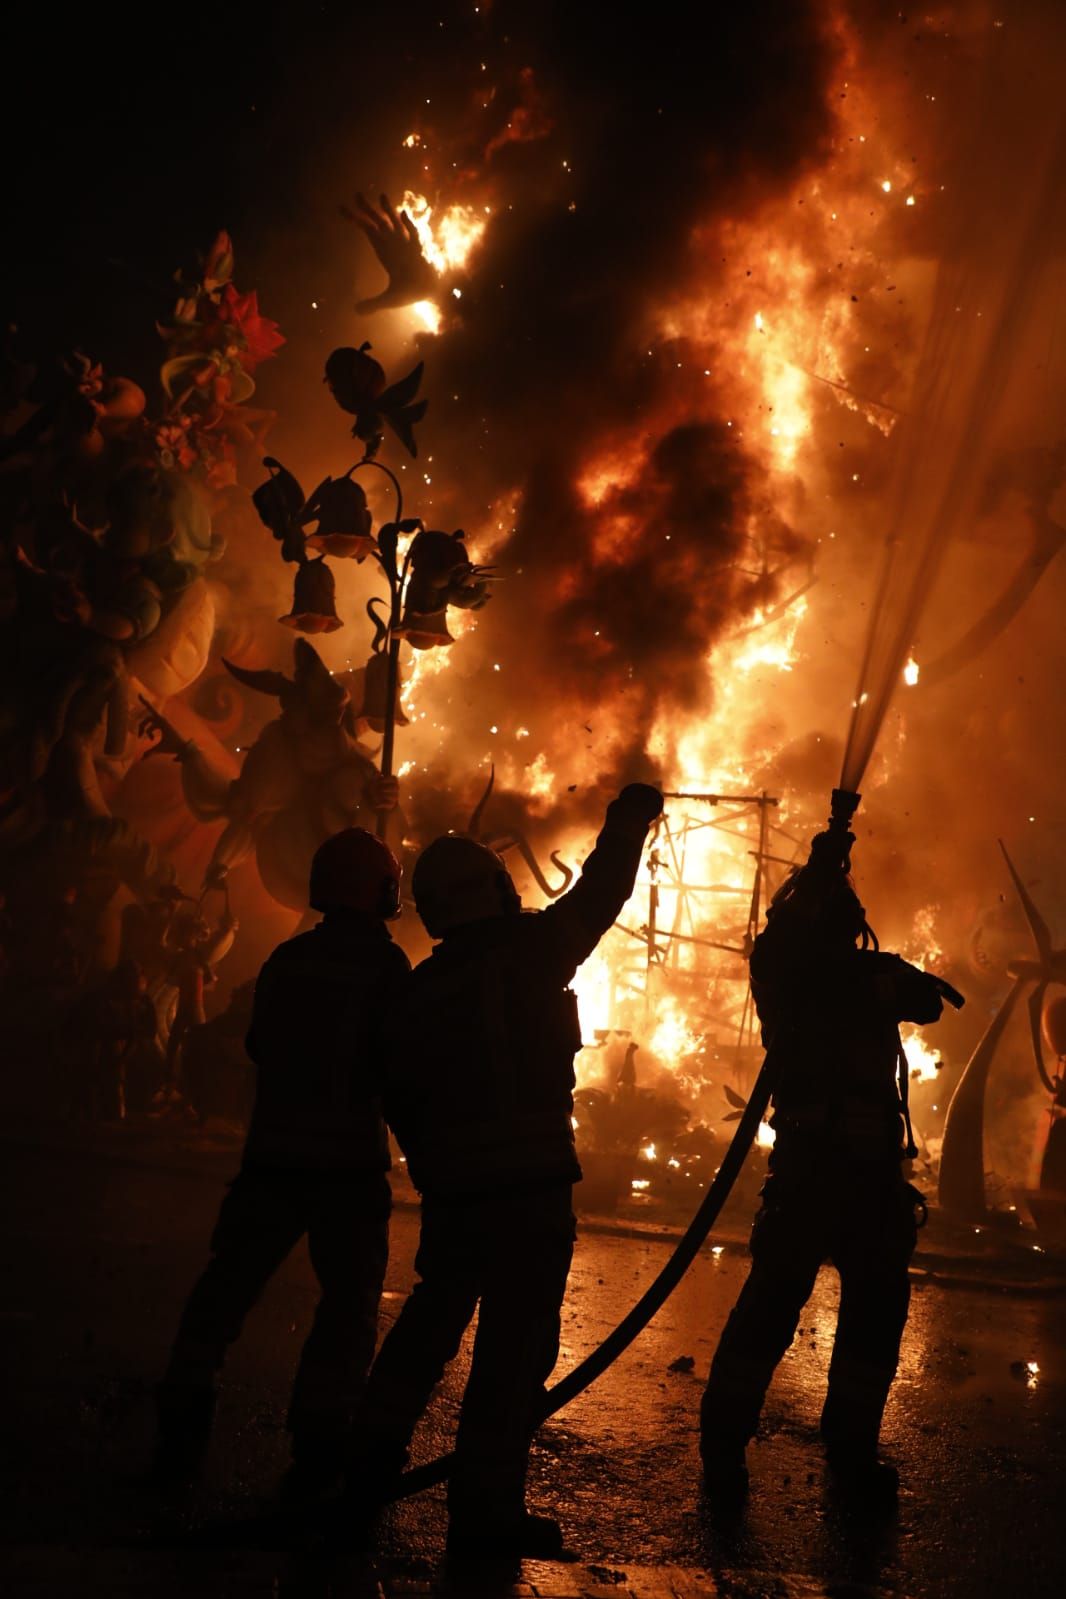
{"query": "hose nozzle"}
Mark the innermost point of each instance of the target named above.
(831, 850)
(842, 807)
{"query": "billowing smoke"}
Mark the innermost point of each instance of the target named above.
(611, 599)
(598, 153)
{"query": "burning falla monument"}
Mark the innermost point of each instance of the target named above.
(673, 439)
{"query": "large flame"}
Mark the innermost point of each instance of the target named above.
(673, 974)
(923, 1061)
(789, 328)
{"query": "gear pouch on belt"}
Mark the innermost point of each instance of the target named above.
(570, 1021)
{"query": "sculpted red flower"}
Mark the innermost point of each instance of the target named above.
(259, 336)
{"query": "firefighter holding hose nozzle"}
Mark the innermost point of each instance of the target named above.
(479, 1095)
(830, 1003)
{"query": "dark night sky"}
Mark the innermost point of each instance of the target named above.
(131, 135)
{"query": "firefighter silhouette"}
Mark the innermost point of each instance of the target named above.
(479, 1094)
(830, 1003)
(314, 1163)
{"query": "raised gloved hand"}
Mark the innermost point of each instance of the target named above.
(640, 800)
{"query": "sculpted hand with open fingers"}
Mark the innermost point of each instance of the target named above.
(394, 240)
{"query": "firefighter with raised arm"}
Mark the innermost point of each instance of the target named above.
(315, 1163)
(479, 1095)
(830, 1004)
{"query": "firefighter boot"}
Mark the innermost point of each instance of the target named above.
(862, 1475)
(850, 1427)
(319, 1467)
(529, 1538)
(728, 1422)
(725, 1473)
(373, 1471)
(184, 1416)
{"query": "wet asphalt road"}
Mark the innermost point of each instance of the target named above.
(98, 1259)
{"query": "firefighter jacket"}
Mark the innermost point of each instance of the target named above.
(322, 1001)
(481, 1078)
(831, 1015)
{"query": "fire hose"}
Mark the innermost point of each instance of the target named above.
(655, 1296)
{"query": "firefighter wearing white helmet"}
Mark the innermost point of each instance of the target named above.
(315, 1163)
(479, 1094)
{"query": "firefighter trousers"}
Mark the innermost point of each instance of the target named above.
(867, 1230)
(511, 1254)
(263, 1216)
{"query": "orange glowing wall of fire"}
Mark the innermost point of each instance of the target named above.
(778, 346)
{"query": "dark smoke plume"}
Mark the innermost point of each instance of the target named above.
(651, 133)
